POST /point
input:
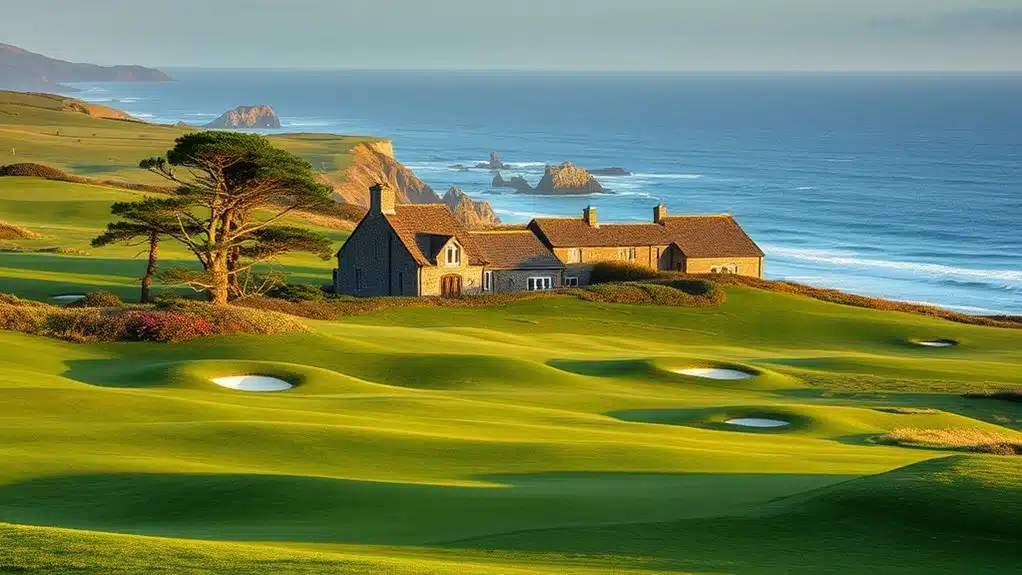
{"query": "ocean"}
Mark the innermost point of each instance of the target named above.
(906, 186)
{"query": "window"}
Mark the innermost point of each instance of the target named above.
(627, 254)
(487, 281)
(453, 255)
(575, 256)
(541, 283)
(571, 282)
(358, 280)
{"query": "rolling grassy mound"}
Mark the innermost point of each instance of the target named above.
(452, 440)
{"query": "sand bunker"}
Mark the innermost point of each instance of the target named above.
(937, 343)
(253, 383)
(757, 422)
(68, 298)
(716, 373)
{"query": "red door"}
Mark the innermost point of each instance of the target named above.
(450, 286)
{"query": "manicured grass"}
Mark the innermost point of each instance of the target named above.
(546, 435)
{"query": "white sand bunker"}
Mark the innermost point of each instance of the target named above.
(716, 373)
(937, 343)
(68, 298)
(757, 422)
(253, 383)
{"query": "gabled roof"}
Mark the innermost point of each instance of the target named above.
(711, 237)
(515, 249)
(423, 228)
(576, 233)
(695, 236)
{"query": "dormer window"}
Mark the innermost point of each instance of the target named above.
(453, 255)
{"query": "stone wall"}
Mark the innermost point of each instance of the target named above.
(375, 253)
(751, 267)
(471, 278)
(512, 281)
(653, 257)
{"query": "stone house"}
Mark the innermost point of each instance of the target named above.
(422, 250)
(689, 244)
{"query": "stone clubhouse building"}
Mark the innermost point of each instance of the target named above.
(422, 250)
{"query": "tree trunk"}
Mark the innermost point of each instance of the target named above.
(150, 270)
(233, 260)
(220, 290)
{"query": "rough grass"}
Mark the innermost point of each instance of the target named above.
(12, 232)
(908, 410)
(844, 298)
(680, 293)
(101, 317)
(957, 440)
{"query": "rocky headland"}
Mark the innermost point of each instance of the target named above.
(567, 179)
(470, 213)
(27, 71)
(246, 117)
(517, 183)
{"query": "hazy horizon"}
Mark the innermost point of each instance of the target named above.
(528, 35)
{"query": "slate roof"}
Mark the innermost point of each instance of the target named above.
(422, 227)
(515, 249)
(696, 236)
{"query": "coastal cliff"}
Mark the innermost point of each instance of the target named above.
(373, 162)
(26, 71)
(567, 179)
(247, 117)
(470, 213)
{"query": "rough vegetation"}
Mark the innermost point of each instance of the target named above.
(606, 272)
(844, 298)
(12, 232)
(668, 293)
(103, 318)
(957, 440)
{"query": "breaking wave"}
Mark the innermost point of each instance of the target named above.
(1008, 278)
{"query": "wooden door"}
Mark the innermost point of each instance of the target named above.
(450, 286)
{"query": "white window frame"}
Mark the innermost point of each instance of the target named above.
(574, 255)
(452, 255)
(571, 281)
(488, 281)
(627, 254)
(540, 283)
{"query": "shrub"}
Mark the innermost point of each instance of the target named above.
(608, 272)
(171, 322)
(64, 251)
(10, 231)
(28, 170)
(167, 327)
(98, 299)
(957, 440)
(298, 292)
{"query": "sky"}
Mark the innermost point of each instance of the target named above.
(525, 34)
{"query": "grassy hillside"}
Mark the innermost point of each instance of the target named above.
(42, 129)
(67, 216)
(542, 436)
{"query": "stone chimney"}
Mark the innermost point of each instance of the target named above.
(381, 199)
(659, 214)
(589, 217)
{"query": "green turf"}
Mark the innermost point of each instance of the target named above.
(542, 436)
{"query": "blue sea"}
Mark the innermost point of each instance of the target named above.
(902, 186)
